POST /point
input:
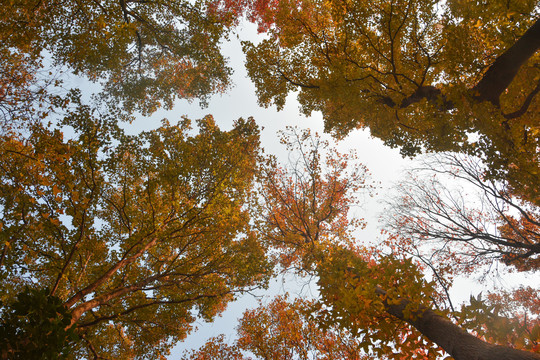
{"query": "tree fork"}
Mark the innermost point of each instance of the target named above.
(494, 82)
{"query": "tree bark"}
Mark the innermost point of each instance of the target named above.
(501, 73)
(453, 339)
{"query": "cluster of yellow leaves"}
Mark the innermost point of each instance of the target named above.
(145, 54)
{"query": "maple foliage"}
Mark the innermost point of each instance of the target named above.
(306, 204)
(216, 348)
(136, 235)
(506, 317)
(28, 93)
(15, 75)
(145, 53)
(420, 74)
(39, 322)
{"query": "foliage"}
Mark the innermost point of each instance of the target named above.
(131, 238)
(420, 74)
(456, 221)
(28, 93)
(145, 53)
(509, 318)
(137, 235)
(283, 329)
(35, 327)
(378, 295)
(306, 205)
(216, 348)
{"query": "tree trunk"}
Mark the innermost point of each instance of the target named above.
(453, 339)
(501, 73)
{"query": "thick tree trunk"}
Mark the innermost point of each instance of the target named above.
(501, 73)
(454, 340)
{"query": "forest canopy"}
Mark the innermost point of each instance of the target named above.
(113, 245)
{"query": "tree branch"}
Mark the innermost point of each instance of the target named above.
(103, 278)
(525, 105)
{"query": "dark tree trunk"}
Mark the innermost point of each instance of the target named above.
(453, 339)
(501, 73)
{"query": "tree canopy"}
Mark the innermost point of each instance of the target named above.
(420, 74)
(113, 245)
(145, 53)
(136, 235)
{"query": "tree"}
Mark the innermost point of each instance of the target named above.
(420, 74)
(146, 53)
(282, 330)
(308, 203)
(381, 298)
(136, 235)
(469, 219)
(455, 221)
